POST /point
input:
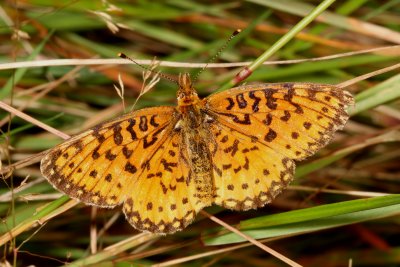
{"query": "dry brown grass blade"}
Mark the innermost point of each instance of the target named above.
(32, 120)
(392, 50)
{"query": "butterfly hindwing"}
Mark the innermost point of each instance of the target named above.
(162, 199)
(247, 174)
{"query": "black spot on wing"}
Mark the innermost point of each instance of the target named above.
(242, 103)
(130, 129)
(153, 121)
(271, 101)
(231, 103)
(143, 124)
(256, 99)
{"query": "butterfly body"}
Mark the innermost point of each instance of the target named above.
(164, 164)
(194, 131)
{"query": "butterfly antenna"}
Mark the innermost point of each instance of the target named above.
(236, 32)
(122, 55)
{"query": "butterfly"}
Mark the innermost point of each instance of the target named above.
(164, 164)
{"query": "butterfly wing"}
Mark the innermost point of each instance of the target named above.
(133, 160)
(97, 166)
(295, 119)
(247, 174)
(163, 199)
(260, 129)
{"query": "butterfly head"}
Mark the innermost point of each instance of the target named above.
(186, 94)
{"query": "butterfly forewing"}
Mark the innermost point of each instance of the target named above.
(98, 166)
(294, 119)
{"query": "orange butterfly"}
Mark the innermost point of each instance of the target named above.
(164, 164)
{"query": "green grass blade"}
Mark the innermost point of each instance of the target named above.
(382, 93)
(280, 43)
(314, 219)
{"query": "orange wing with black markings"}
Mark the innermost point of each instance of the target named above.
(122, 161)
(260, 129)
(161, 200)
(97, 165)
(247, 174)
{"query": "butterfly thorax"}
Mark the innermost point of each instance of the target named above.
(196, 138)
